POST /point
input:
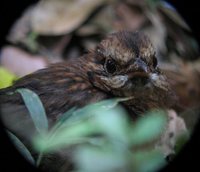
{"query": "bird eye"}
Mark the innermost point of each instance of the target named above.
(155, 62)
(110, 66)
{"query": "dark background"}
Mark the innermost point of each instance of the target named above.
(187, 159)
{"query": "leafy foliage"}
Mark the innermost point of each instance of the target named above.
(103, 137)
(114, 148)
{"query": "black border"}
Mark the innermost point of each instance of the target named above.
(10, 159)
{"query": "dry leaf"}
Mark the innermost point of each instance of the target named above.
(131, 18)
(55, 17)
(21, 27)
(175, 128)
(173, 15)
(137, 2)
(98, 24)
(156, 32)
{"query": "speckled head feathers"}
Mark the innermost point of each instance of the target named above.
(125, 45)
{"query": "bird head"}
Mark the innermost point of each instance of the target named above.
(125, 65)
(125, 62)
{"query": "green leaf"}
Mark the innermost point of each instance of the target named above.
(62, 120)
(148, 161)
(35, 108)
(21, 147)
(67, 115)
(148, 127)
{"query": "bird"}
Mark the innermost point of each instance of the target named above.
(123, 64)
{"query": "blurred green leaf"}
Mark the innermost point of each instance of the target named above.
(6, 78)
(148, 161)
(86, 112)
(64, 137)
(148, 127)
(90, 159)
(75, 116)
(21, 147)
(113, 123)
(36, 109)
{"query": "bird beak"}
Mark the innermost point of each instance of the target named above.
(140, 66)
(140, 75)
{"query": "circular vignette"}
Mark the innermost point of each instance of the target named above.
(11, 159)
(186, 158)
